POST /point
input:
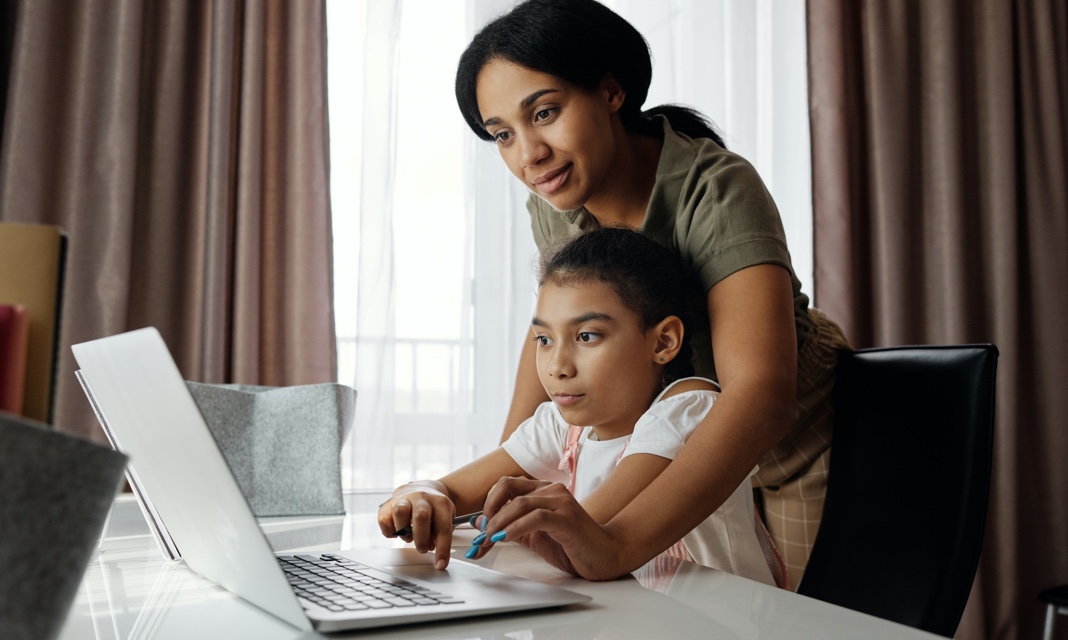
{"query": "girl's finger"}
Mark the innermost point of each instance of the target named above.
(422, 517)
(442, 541)
(385, 520)
(401, 514)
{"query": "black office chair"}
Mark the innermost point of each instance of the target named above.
(909, 477)
(1056, 599)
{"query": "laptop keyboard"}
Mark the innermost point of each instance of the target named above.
(340, 584)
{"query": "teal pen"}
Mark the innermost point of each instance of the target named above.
(458, 520)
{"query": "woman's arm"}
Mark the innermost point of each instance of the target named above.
(623, 484)
(755, 346)
(528, 393)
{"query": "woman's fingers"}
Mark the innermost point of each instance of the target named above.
(507, 489)
(514, 498)
(546, 518)
(543, 508)
(501, 495)
(502, 492)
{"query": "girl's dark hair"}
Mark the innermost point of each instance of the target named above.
(650, 279)
(580, 41)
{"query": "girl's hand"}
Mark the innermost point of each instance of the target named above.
(427, 514)
(546, 518)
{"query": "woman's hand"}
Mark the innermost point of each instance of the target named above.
(546, 518)
(426, 512)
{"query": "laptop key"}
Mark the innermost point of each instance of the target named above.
(399, 602)
(377, 604)
(355, 606)
(384, 577)
(307, 558)
(342, 560)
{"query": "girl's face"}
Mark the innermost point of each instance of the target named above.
(556, 137)
(593, 359)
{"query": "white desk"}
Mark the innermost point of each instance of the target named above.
(130, 591)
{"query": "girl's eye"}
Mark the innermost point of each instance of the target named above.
(587, 336)
(543, 341)
(502, 136)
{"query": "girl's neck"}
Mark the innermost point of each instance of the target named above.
(624, 196)
(623, 425)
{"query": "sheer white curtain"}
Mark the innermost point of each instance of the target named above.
(743, 63)
(433, 250)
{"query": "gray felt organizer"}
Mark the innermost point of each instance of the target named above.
(283, 444)
(55, 494)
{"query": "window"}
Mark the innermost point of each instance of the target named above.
(402, 165)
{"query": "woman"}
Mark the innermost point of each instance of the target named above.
(559, 85)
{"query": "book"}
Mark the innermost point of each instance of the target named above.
(14, 338)
(32, 258)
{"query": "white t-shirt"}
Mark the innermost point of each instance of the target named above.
(726, 540)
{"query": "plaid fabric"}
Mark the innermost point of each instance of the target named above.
(792, 478)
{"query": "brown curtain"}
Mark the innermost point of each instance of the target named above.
(940, 170)
(182, 144)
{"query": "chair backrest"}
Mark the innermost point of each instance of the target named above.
(909, 478)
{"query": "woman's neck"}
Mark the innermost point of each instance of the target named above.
(623, 198)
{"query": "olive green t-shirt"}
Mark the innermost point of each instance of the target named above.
(711, 207)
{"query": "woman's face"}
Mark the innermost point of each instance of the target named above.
(556, 137)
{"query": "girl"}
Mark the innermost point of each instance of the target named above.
(558, 86)
(612, 354)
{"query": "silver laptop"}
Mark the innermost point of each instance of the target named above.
(137, 389)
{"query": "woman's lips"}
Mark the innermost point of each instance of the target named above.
(553, 180)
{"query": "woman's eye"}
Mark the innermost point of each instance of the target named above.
(502, 136)
(543, 341)
(587, 336)
(543, 114)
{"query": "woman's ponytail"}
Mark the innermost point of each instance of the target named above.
(687, 121)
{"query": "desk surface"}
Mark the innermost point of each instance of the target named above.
(130, 591)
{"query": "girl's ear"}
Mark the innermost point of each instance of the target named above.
(614, 93)
(669, 333)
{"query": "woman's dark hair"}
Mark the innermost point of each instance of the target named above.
(582, 42)
(650, 279)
